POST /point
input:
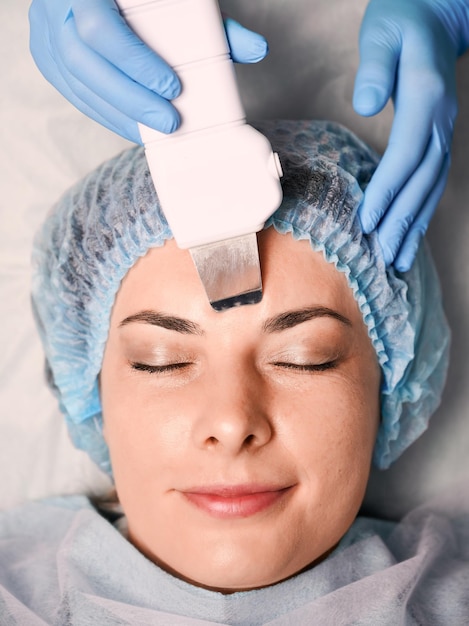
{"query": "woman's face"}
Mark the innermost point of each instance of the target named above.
(240, 441)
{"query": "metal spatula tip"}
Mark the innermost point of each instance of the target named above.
(230, 271)
(254, 297)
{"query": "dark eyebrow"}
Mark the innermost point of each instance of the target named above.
(293, 318)
(170, 322)
(272, 325)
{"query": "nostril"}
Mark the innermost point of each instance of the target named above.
(249, 440)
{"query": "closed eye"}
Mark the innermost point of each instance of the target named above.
(159, 369)
(171, 367)
(306, 367)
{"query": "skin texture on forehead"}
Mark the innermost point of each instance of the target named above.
(281, 398)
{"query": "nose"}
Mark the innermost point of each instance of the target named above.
(234, 416)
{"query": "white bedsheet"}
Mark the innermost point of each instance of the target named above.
(46, 145)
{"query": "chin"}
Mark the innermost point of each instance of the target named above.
(232, 581)
(229, 573)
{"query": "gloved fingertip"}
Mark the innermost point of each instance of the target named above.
(254, 49)
(408, 252)
(403, 265)
(259, 49)
(165, 122)
(169, 126)
(366, 223)
(367, 227)
(170, 88)
(389, 254)
(368, 100)
(246, 46)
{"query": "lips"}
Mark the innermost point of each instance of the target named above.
(235, 501)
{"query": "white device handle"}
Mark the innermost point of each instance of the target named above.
(216, 176)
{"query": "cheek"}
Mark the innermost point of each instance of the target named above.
(330, 427)
(146, 429)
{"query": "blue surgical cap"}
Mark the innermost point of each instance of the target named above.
(100, 228)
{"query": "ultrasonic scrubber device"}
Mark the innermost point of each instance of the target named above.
(217, 178)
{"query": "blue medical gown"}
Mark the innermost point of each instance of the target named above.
(61, 562)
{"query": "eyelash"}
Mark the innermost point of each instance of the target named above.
(158, 369)
(307, 367)
(171, 367)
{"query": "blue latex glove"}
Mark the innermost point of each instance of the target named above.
(86, 50)
(408, 51)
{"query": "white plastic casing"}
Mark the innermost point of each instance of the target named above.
(216, 176)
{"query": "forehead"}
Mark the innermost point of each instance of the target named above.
(293, 275)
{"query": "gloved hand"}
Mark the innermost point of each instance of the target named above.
(86, 50)
(408, 51)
